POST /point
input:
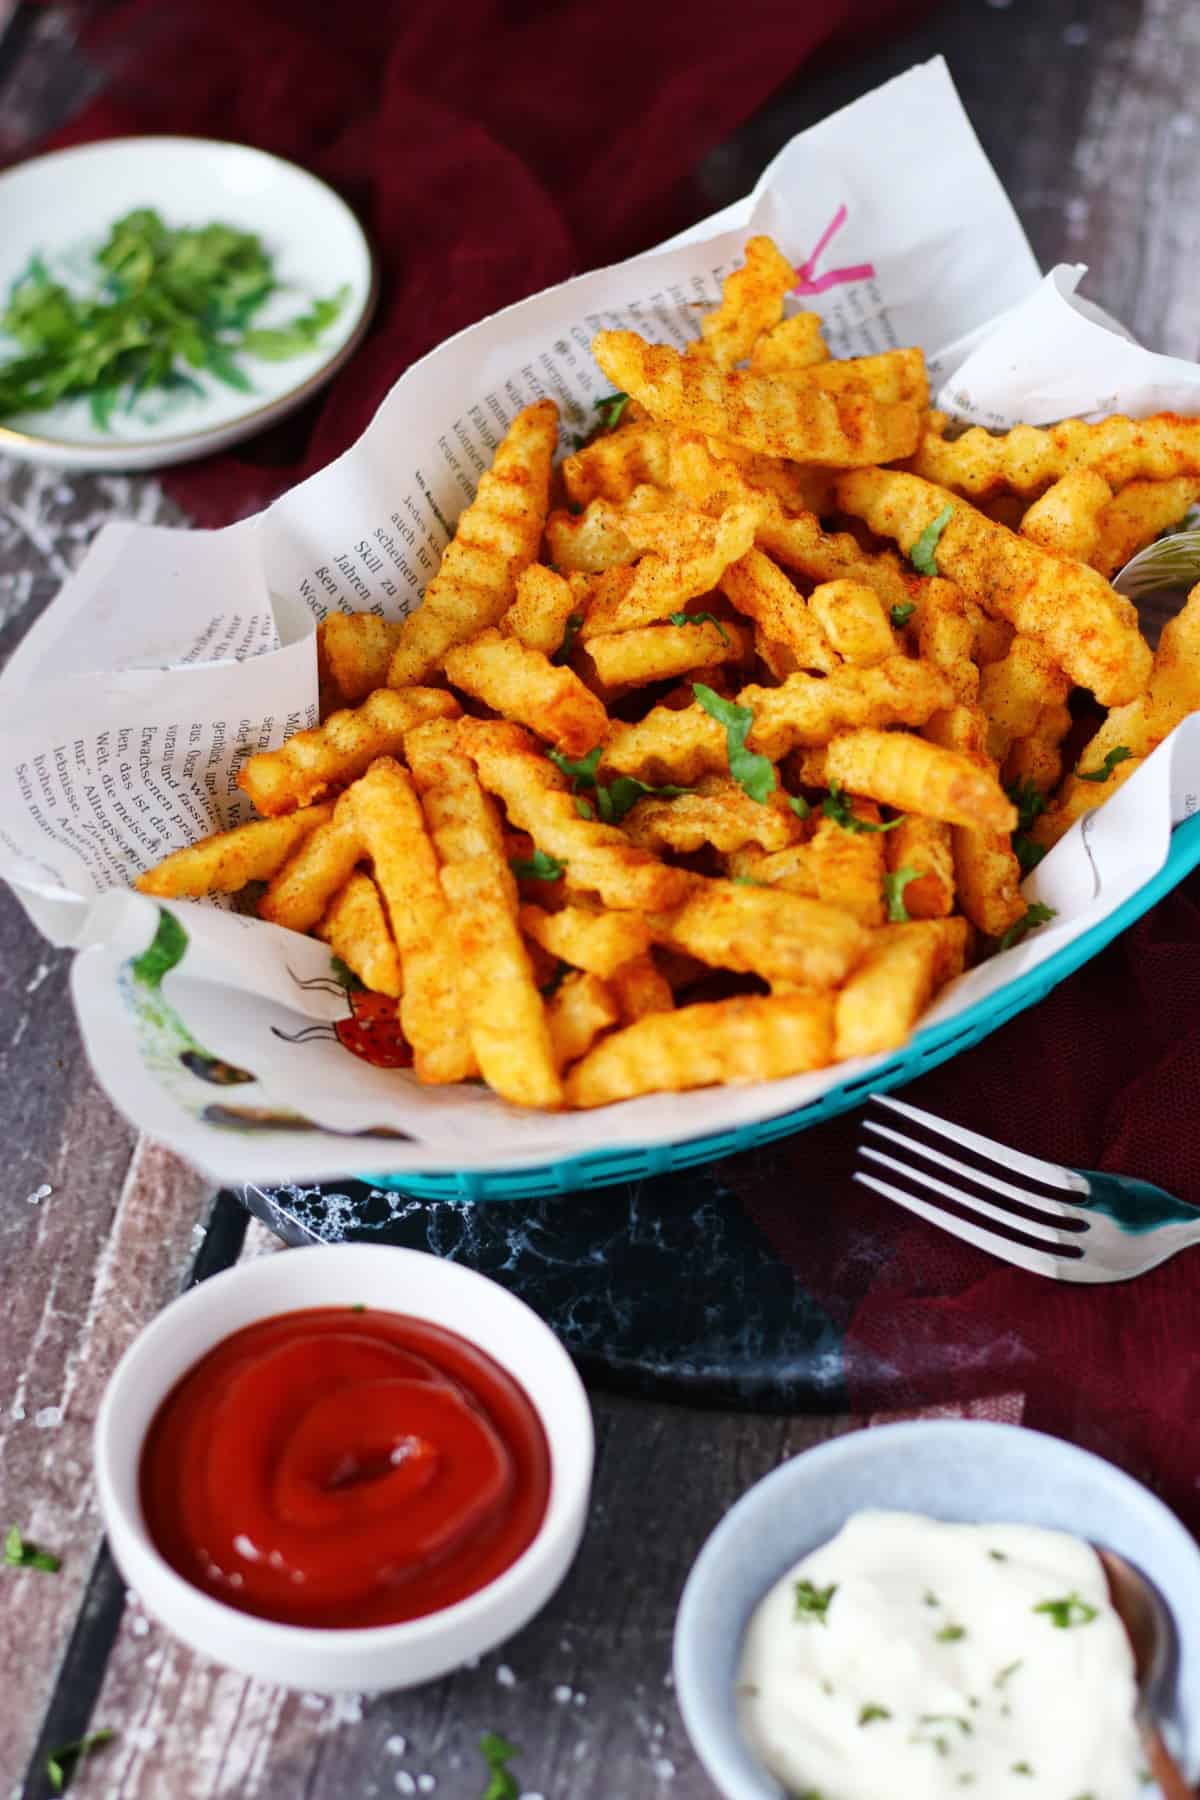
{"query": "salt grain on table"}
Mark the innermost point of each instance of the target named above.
(39, 1194)
(397, 1745)
(505, 1676)
(48, 1417)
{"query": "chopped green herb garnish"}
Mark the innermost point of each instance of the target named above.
(1022, 1768)
(700, 618)
(813, 1602)
(497, 1753)
(344, 975)
(359, 1306)
(950, 1634)
(902, 614)
(584, 769)
(893, 892)
(998, 1555)
(1011, 1669)
(748, 881)
(614, 798)
(921, 555)
(541, 866)
(964, 1725)
(167, 301)
(1119, 755)
(584, 808)
(871, 1711)
(1070, 1610)
(61, 1763)
(1029, 803)
(753, 774)
(610, 407)
(563, 653)
(1028, 853)
(799, 805)
(931, 1598)
(1034, 915)
(20, 1555)
(835, 806)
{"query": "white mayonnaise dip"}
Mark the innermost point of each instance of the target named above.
(911, 1660)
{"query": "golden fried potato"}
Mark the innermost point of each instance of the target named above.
(612, 465)
(846, 429)
(227, 860)
(891, 377)
(848, 866)
(717, 812)
(947, 630)
(762, 931)
(1036, 760)
(798, 487)
(664, 583)
(538, 799)
(1013, 692)
(526, 686)
(1028, 458)
(913, 776)
(851, 615)
(1091, 631)
(986, 871)
(389, 816)
(640, 989)
(809, 709)
(334, 754)
(300, 891)
(751, 303)
(1066, 520)
(1136, 516)
(496, 537)
(883, 1000)
(356, 929)
(353, 653)
(660, 652)
(821, 555)
(542, 612)
(761, 590)
(590, 543)
(792, 346)
(922, 849)
(754, 1038)
(580, 1008)
(599, 942)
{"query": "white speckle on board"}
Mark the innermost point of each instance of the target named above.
(533, 1797)
(139, 1625)
(346, 1709)
(581, 1700)
(397, 1745)
(247, 1547)
(39, 1194)
(142, 1737)
(505, 1676)
(426, 1783)
(47, 1417)
(562, 1694)
(36, 979)
(664, 1768)
(313, 1702)
(405, 1783)
(199, 1233)
(668, 1680)
(16, 1411)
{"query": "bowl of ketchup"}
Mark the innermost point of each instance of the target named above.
(345, 1468)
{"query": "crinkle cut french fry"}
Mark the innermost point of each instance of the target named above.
(947, 629)
(334, 754)
(761, 590)
(820, 555)
(1028, 458)
(669, 746)
(891, 377)
(505, 1014)
(986, 871)
(885, 997)
(793, 345)
(664, 583)
(538, 799)
(353, 653)
(719, 813)
(598, 942)
(1036, 760)
(848, 866)
(589, 544)
(809, 709)
(397, 840)
(496, 537)
(923, 845)
(1089, 629)
(914, 776)
(580, 1008)
(788, 869)
(851, 615)
(356, 929)
(651, 653)
(781, 418)
(1013, 692)
(299, 893)
(612, 465)
(1066, 520)
(641, 990)
(226, 861)
(1135, 517)
(750, 1038)
(751, 303)
(799, 487)
(540, 614)
(763, 931)
(525, 685)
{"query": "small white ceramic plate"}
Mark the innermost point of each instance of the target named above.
(62, 206)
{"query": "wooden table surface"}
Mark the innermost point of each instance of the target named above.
(1087, 110)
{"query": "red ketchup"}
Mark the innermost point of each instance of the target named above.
(342, 1467)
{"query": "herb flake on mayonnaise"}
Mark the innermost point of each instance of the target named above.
(912, 1658)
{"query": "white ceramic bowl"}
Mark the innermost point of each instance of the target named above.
(403, 1281)
(958, 1470)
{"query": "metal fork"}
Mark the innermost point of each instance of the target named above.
(1069, 1224)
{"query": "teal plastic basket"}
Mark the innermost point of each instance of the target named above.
(936, 1044)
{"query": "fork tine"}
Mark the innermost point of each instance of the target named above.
(1036, 1261)
(1011, 1160)
(1046, 1234)
(1073, 1217)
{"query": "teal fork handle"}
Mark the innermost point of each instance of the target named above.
(1136, 1206)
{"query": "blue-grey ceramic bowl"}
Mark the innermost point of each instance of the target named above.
(948, 1469)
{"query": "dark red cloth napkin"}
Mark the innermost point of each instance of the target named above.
(489, 149)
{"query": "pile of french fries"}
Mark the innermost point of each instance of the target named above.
(713, 753)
